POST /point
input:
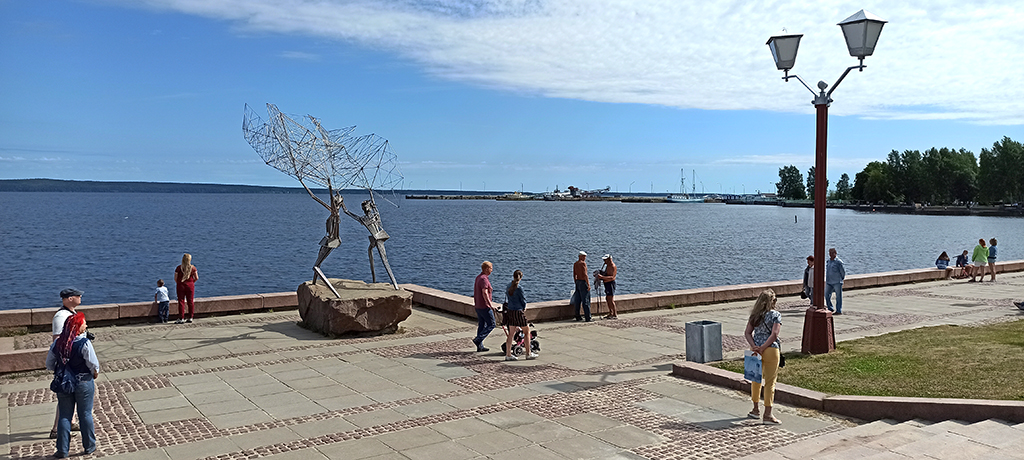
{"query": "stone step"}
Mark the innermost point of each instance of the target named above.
(947, 446)
(943, 426)
(834, 444)
(995, 433)
(888, 439)
(904, 434)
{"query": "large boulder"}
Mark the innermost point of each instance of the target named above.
(362, 307)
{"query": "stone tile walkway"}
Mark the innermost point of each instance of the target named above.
(258, 386)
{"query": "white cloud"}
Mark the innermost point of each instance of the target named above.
(958, 60)
(300, 56)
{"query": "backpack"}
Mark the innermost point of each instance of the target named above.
(64, 379)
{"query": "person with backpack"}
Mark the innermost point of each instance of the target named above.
(73, 352)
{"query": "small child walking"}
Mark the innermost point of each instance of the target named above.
(162, 300)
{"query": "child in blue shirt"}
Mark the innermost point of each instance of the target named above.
(162, 300)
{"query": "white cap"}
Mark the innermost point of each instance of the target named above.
(582, 253)
(606, 257)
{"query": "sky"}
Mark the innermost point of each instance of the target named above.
(498, 95)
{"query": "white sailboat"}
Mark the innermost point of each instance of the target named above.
(682, 197)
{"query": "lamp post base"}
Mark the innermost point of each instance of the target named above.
(819, 333)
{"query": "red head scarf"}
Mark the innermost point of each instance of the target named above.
(72, 327)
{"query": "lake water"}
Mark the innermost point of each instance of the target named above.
(114, 246)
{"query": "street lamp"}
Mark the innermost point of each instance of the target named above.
(861, 32)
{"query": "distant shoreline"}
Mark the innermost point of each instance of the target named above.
(60, 185)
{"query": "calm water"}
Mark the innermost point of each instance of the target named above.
(114, 246)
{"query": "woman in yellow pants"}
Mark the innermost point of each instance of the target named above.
(762, 335)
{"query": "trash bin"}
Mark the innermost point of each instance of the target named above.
(703, 341)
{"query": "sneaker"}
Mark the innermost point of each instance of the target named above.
(838, 313)
(1019, 305)
(481, 349)
(588, 320)
(179, 321)
(511, 358)
(188, 320)
(532, 356)
(579, 319)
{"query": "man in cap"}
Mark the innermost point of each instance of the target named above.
(607, 276)
(582, 294)
(70, 298)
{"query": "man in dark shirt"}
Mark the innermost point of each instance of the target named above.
(607, 276)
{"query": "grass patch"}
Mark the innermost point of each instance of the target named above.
(937, 362)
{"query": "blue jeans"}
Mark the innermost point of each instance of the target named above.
(162, 308)
(581, 298)
(838, 289)
(66, 404)
(484, 324)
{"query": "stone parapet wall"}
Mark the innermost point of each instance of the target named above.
(560, 309)
(38, 319)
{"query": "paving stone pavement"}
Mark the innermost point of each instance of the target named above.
(258, 386)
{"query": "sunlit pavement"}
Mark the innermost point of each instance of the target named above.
(259, 386)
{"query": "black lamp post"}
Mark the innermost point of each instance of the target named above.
(861, 31)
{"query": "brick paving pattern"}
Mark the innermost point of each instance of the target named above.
(258, 386)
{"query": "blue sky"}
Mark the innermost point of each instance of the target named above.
(496, 95)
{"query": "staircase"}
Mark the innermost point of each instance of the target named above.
(890, 440)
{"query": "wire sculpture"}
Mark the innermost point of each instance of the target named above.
(332, 159)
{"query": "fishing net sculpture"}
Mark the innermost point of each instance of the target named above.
(335, 160)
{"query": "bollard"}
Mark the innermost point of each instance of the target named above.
(703, 341)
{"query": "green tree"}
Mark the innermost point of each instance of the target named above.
(874, 184)
(810, 183)
(842, 192)
(1000, 175)
(964, 187)
(949, 176)
(908, 168)
(791, 184)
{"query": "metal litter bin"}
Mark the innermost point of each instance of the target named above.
(703, 341)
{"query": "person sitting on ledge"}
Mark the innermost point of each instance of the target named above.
(943, 261)
(966, 268)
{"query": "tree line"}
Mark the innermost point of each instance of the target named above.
(936, 176)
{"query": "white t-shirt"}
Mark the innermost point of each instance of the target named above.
(59, 318)
(161, 294)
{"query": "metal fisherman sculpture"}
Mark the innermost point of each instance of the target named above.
(334, 160)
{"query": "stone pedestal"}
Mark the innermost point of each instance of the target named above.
(362, 307)
(819, 332)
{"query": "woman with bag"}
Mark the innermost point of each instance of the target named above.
(73, 351)
(762, 335)
(515, 316)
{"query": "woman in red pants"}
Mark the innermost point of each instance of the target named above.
(185, 277)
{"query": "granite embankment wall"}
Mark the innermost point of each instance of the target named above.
(39, 319)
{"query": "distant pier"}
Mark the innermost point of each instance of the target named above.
(527, 197)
